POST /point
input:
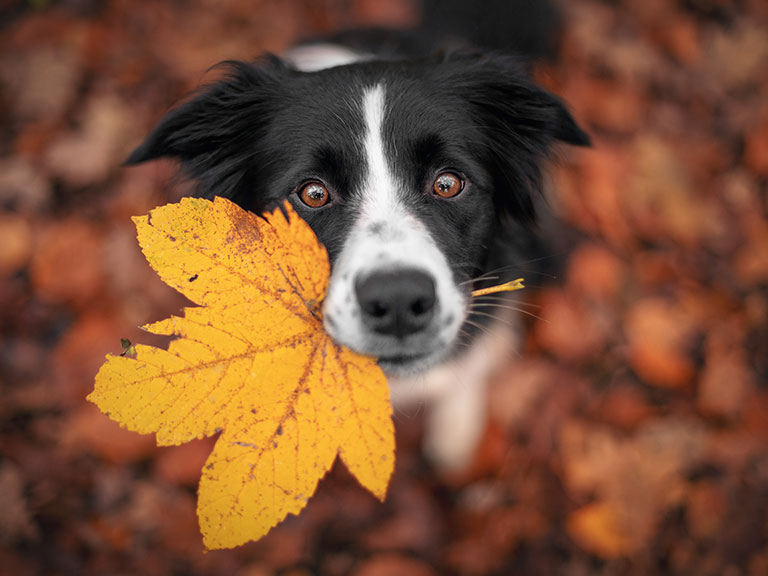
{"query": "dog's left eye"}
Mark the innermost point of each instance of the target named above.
(448, 185)
(314, 194)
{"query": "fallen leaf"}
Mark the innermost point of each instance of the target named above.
(725, 384)
(706, 508)
(596, 528)
(736, 55)
(756, 145)
(86, 430)
(659, 335)
(595, 272)
(87, 156)
(43, 82)
(78, 355)
(23, 186)
(751, 262)
(660, 198)
(16, 240)
(597, 203)
(623, 406)
(66, 262)
(680, 36)
(182, 464)
(570, 329)
(387, 564)
(635, 480)
(16, 521)
(516, 391)
(166, 515)
(410, 526)
(613, 106)
(252, 363)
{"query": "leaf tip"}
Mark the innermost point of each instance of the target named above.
(381, 496)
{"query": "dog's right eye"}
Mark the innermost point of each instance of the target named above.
(448, 185)
(314, 194)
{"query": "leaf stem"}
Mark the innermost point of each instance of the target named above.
(506, 287)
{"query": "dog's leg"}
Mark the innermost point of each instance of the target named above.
(455, 397)
(455, 422)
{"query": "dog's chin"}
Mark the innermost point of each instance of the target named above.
(402, 365)
(397, 358)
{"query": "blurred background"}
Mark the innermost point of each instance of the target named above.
(630, 437)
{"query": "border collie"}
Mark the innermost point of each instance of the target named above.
(411, 171)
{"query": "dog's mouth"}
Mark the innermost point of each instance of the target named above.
(408, 364)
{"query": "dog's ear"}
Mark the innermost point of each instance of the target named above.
(519, 120)
(213, 131)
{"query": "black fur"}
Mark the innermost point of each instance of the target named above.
(264, 128)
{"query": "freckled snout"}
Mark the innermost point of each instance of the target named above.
(396, 302)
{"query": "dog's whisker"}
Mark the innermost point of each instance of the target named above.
(477, 325)
(482, 278)
(522, 269)
(491, 298)
(495, 274)
(407, 414)
(499, 318)
(503, 307)
(464, 339)
(506, 268)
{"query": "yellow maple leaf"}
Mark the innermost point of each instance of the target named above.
(252, 363)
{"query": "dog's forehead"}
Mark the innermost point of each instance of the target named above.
(336, 96)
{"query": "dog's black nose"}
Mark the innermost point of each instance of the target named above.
(396, 302)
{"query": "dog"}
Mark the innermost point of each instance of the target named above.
(413, 172)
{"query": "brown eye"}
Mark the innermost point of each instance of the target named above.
(448, 185)
(314, 195)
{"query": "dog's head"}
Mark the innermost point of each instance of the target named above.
(403, 170)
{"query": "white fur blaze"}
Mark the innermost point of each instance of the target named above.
(387, 237)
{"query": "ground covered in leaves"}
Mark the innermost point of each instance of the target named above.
(631, 437)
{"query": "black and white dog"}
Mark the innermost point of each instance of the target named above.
(408, 170)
